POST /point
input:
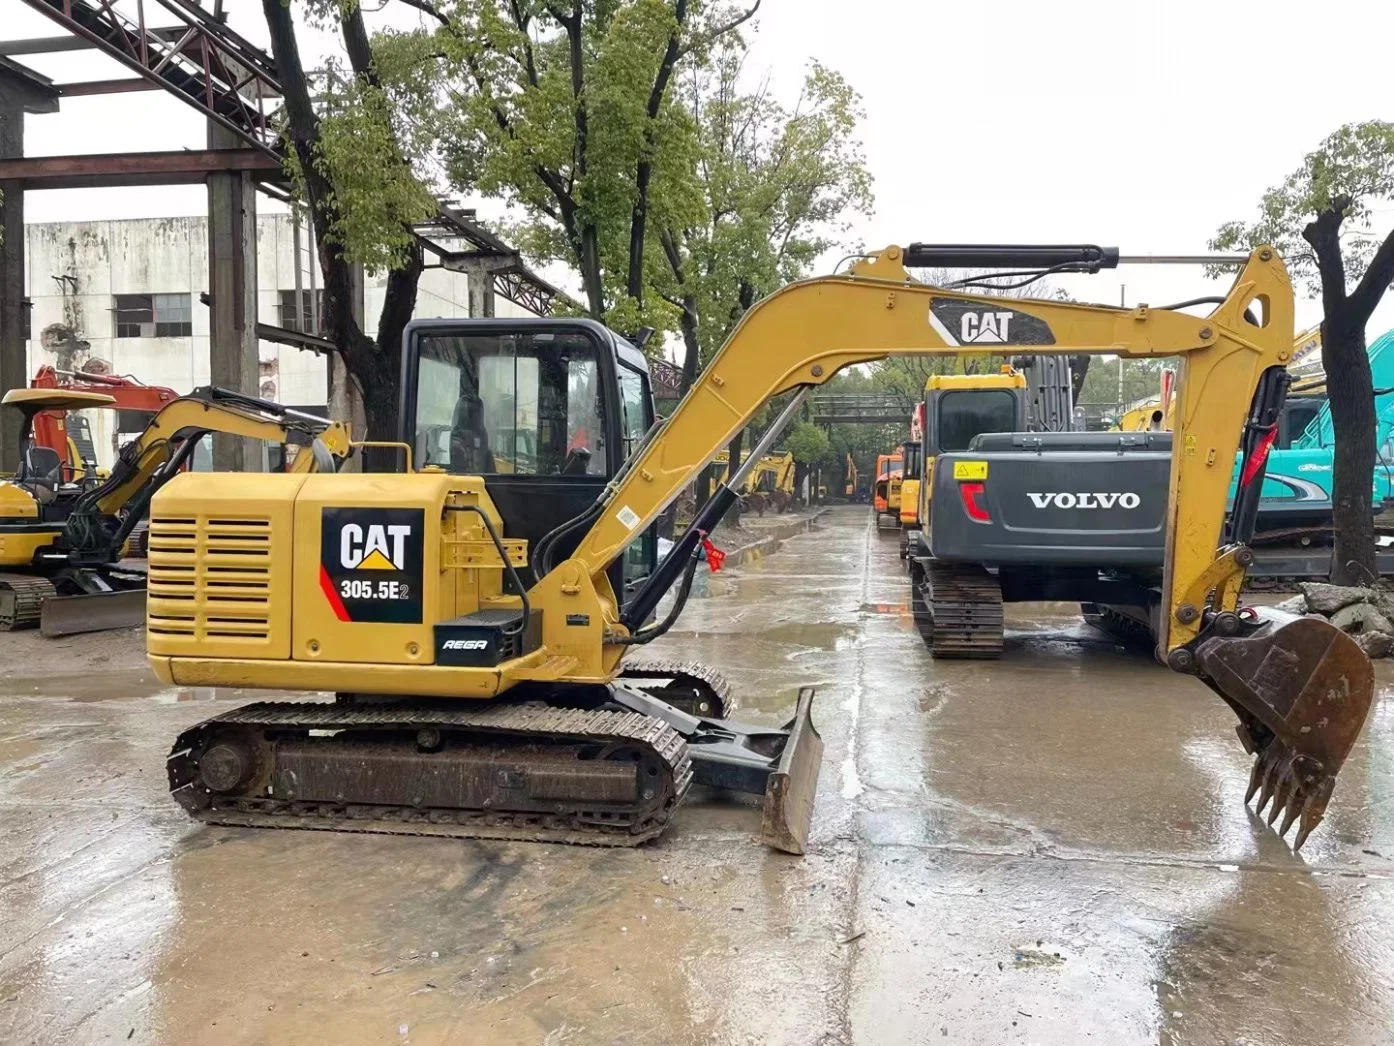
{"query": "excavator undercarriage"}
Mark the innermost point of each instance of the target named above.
(591, 765)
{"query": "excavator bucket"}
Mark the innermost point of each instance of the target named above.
(1302, 689)
(92, 612)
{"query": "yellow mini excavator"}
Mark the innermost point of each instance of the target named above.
(474, 623)
(61, 541)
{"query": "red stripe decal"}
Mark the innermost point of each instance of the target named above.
(327, 586)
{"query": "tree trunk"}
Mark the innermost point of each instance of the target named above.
(374, 365)
(591, 276)
(800, 471)
(1350, 389)
(692, 358)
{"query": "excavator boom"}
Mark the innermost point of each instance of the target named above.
(1301, 689)
(406, 594)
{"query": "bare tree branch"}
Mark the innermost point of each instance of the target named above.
(428, 8)
(720, 30)
(638, 220)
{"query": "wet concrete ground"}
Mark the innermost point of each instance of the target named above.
(1047, 849)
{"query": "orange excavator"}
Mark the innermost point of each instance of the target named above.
(885, 489)
(69, 435)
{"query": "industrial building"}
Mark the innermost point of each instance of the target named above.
(124, 297)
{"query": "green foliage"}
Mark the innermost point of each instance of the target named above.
(809, 445)
(1348, 172)
(1141, 380)
(375, 191)
(546, 106)
(780, 184)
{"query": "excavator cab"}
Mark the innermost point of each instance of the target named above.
(42, 470)
(545, 411)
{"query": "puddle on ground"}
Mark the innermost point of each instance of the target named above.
(901, 609)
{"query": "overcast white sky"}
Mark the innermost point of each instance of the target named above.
(1136, 123)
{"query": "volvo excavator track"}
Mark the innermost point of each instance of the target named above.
(511, 771)
(965, 605)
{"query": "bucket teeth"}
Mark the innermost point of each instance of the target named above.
(1255, 779)
(1270, 781)
(1297, 787)
(1293, 806)
(1285, 790)
(1302, 690)
(1312, 812)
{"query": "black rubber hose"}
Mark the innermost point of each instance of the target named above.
(648, 635)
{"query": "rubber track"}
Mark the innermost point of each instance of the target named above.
(713, 686)
(29, 594)
(919, 609)
(522, 724)
(965, 602)
(140, 540)
(1126, 630)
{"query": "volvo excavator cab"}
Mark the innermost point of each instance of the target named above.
(481, 682)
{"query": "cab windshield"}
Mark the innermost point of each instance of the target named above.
(516, 403)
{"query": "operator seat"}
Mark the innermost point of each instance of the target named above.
(469, 439)
(40, 470)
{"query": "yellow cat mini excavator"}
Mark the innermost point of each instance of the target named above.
(474, 622)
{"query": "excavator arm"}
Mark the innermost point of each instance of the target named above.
(154, 457)
(1301, 688)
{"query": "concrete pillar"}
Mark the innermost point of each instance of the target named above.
(19, 93)
(232, 285)
(481, 290)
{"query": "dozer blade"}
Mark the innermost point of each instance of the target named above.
(780, 764)
(92, 612)
(1302, 689)
(792, 789)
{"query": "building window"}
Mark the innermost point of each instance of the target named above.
(154, 315)
(293, 319)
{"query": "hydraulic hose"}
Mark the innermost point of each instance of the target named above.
(648, 635)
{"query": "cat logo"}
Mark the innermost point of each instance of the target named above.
(960, 321)
(375, 547)
(984, 327)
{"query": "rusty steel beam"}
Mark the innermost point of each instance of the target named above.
(210, 67)
(234, 83)
(95, 87)
(118, 169)
(55, 44)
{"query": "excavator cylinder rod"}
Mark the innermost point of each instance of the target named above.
(1302, 689)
